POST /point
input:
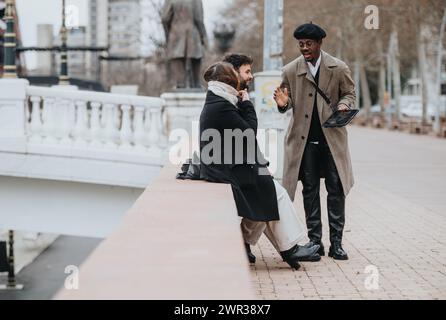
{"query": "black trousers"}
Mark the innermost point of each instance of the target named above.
(317, 158)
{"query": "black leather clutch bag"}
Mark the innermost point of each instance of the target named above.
(340, 118)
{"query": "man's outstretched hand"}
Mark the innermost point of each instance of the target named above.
(281, 97)
(343, 107)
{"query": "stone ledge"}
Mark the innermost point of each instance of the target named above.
(182, 242)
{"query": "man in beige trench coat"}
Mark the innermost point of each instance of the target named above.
(312, 151)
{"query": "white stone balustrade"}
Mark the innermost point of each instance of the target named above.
(60, 134)
(90, 137)
(94, 121)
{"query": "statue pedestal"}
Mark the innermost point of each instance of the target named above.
(183, 109)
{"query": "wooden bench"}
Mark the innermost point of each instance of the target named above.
(359, 120)
(396, 125)
(417, 127)
(180, 240)
(443, 131)
(378, 122)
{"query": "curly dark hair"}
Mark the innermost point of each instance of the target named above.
(237, 60)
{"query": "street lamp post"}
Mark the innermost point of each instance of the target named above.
(63, 77)
(273, 35)
(10, 68)
(10, 72)
(11, 285)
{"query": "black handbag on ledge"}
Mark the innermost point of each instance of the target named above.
(190, 170)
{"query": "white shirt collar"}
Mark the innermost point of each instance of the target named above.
(315, 68)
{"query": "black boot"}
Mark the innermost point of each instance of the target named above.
(337, 252)
(251, 256)
(310, 172)
(335, 206)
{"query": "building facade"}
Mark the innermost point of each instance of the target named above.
(122, 25)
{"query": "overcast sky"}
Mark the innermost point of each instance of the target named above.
(34, 12)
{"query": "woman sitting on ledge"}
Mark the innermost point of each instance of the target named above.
(230, 154)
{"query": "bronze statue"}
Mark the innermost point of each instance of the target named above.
(186, 40)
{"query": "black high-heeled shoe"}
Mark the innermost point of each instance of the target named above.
(293, 263)
(250, 255)
(290, 257)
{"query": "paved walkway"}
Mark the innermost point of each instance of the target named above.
(395, 230)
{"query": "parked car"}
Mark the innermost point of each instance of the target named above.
(411, 107)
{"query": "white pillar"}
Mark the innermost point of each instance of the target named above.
(126, 128)
(271, 120)
(65, 125)
(182, 108)
(36, 120)
(12, 115)
(154, 130)
(138, 126)
(111, 131)
(95, 127)
(81, 128)
(48, 117)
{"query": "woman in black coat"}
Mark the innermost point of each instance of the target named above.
(229, 153)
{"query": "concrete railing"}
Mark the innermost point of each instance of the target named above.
(64, 134)
(181, 240)
(94, 121)
(66, 122)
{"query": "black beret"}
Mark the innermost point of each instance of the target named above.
(309, 31)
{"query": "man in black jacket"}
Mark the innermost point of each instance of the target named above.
(243, 65)
(250, 229)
